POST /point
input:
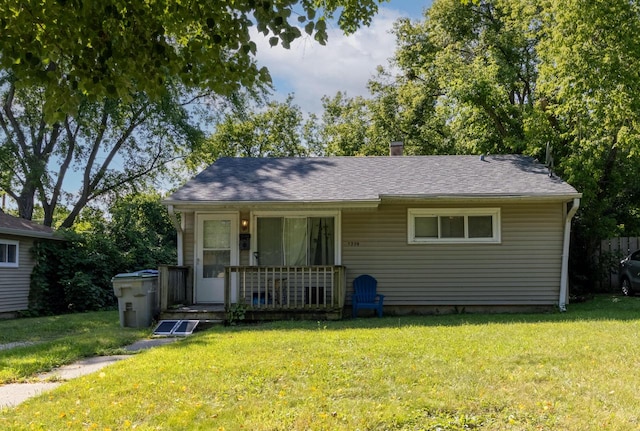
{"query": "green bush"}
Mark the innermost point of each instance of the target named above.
(75, 274)
(82, 294)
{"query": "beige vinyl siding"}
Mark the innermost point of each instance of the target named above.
(15, 282)
(188, 241)
(524, 269)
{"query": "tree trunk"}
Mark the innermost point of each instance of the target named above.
(25, 202)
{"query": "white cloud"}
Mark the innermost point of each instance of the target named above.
(345, 63)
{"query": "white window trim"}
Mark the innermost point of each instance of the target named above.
(412, 213)
(298, 214)
(17, 262)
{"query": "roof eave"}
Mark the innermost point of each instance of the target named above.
(487, 197)
(180, 205)
(370, 203)
(29, 234)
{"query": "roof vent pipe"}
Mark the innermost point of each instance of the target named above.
(396, 148)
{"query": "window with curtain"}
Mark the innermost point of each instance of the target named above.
(296, 241)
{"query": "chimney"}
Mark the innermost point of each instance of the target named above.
(396, 148)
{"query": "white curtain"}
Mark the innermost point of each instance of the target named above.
(295, 241)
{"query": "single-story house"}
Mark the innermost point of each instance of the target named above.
(439, 233)
(17, 237)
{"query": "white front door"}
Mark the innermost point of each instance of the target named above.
(216, 247)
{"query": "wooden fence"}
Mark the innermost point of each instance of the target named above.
(608, 257)
(174, 286)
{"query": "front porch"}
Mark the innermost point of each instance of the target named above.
(262, 292)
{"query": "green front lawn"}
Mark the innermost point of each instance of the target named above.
(571, 371)
(48, 342)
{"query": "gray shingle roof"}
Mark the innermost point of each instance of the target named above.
(340, 179)
(21, 227)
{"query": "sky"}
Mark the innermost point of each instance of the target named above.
(345, 63)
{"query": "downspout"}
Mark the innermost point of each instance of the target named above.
(564, 275)
(179, 230)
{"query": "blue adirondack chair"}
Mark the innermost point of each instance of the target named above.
(365, 295)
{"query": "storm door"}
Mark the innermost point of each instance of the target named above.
(217, 247)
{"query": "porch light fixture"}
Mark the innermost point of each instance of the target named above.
(244, 223)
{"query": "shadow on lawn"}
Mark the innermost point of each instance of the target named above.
(601, 307)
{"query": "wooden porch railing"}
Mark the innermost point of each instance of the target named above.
(174, 285)
(286, 287)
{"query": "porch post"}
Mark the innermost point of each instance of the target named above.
(340, 280)
(180, 227)
(227, 288)
(163, 286)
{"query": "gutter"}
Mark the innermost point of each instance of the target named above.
(234, 205)
(564, 274)
(481, 197)
(31, 234)
(179, 229)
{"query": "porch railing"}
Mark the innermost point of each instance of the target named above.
(286, 287)
(174, 286)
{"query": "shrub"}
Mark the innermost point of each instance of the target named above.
(75, 274)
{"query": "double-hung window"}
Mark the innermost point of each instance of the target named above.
(8, 253)
(456, 225)
(295, 240)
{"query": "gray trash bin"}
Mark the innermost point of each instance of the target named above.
(137, 294)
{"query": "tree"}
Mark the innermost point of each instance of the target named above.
(108, 146)
(279, 130)
(590, 89)
(590, 92)
(345, 126)
(407, 113)
(142, 230)
(465, 82)
(74, 49)
(468, 73)
(511, 76)
(75, 275)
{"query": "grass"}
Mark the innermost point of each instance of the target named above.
(571, 371)
(48, 342)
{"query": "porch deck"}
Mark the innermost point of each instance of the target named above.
(262, 292)
(202, 312)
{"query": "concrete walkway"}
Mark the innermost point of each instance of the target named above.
(13, 394)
